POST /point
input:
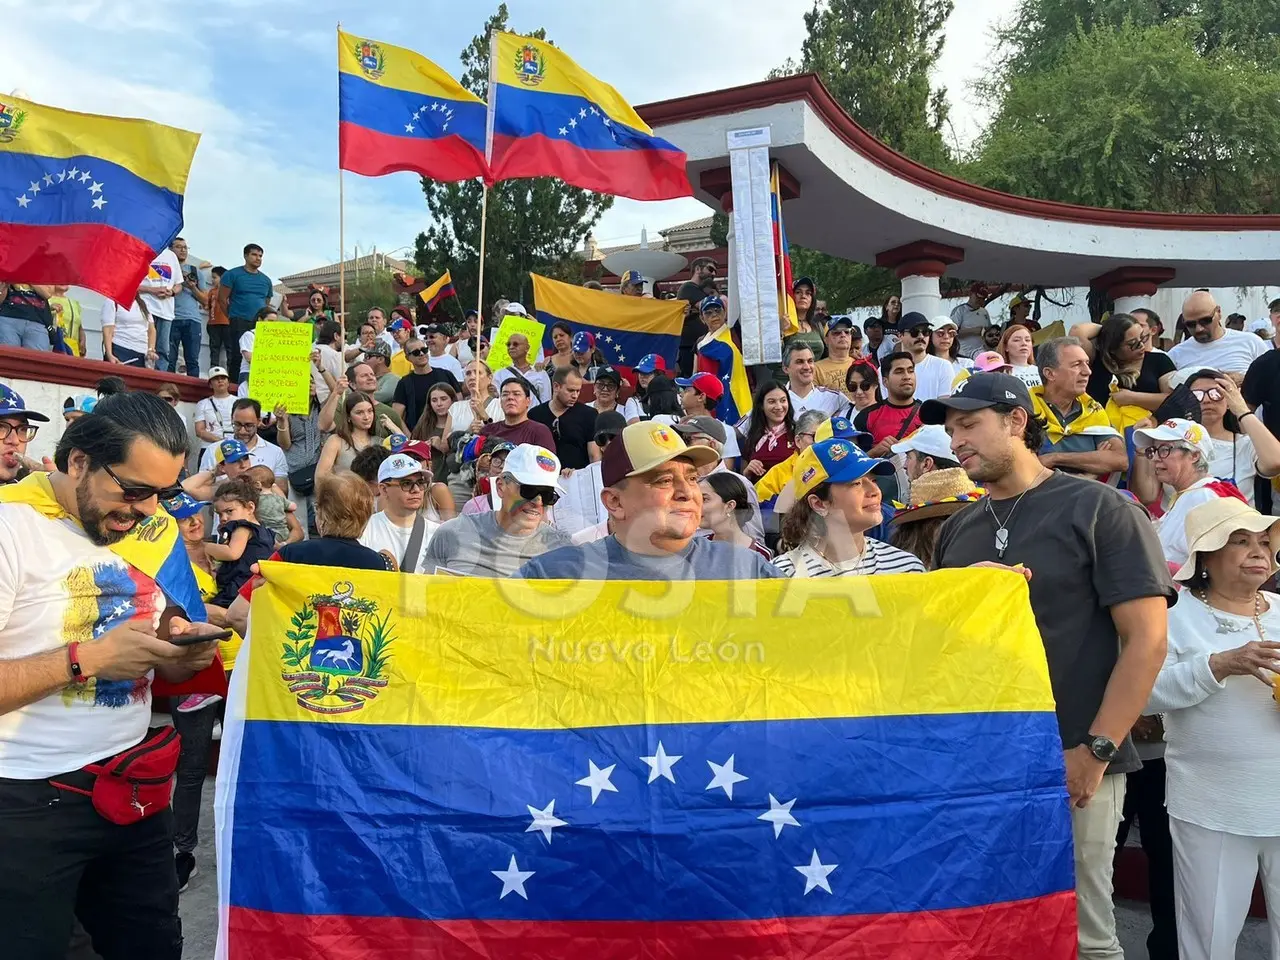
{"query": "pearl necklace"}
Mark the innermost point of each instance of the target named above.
(1234, 626)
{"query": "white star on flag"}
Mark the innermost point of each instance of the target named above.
(436, 106)
(621, 358)
(62, 176)
(660, 764)
(544, 820)
(573, 121)
(597, 780)
(408, 128)
(513, 878)
(84, 177)
(23, 200)
(416, 114)
(99, 203)
(564, 131)
(48, 180)
(35, 186)
(779, 814)
(74, 173)
(725, 776)
(815, 873)
(96, 188)
(595, 112)
(608, 339)
(582, 112)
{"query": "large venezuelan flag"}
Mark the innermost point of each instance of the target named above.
(720, 356)
(86, 199)
(443, 767)
(626, 328)
(550, 118)
(399, 111)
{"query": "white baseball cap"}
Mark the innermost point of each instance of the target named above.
(217, 372)
(1186, 432)
(535, 466)
(516, 308)
(397, 467)
(928, 441)
(1262, 326)
(937, 323)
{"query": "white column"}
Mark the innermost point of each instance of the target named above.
(921, 295)
(731, 294)
(1130, 304)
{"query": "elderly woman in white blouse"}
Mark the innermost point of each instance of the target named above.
(1222, 724)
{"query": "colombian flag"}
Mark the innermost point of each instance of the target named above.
(782, 257)
(399, 111)
(86, 199)
(720, 356)
(438, 292)
(764, 769)
(550, 118)
(626, 328)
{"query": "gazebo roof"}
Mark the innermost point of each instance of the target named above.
(858, 198)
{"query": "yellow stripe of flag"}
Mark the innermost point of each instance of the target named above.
(153, 151)
(401, 69)
(564, 654)
(563, 75)
(598, 308)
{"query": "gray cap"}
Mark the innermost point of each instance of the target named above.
(707, 426)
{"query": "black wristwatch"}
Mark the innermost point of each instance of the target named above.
(1103, 748)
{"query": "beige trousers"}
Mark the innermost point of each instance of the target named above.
(1094, 829)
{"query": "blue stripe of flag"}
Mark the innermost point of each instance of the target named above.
(562, 116)
(403, 113)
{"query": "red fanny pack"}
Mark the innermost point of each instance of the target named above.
(135, 783)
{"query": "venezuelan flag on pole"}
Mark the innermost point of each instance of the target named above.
(626, 328)
(720, 356)
(438, 292)
(86, 199)
(550, 118)
(399, 111)
(438, 767)
(782, 257)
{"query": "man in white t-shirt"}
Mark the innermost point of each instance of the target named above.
(82, 635)
(802, 382)
(933, 374)
(213, 413)
(246, 417)
(518, 348)
(162, 283)
(1211, 345)
(403, 488)
(438, 346)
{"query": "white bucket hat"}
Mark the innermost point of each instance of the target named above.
(1210, 526)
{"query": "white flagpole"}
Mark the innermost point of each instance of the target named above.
(492, 94)
(342, 247)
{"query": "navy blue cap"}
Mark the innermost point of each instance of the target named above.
(12, 405)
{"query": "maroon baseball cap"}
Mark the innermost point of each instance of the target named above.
(645, 446)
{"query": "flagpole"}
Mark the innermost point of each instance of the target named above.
(484, 217)
(342, 210)
(491, 92)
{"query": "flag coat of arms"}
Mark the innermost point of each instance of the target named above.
(445, 767)
(85, 199)
(399, 111)
(550, 118)
(626, 329)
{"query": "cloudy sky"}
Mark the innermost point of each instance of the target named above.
(257, 78)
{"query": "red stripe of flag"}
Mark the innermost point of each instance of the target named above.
(96, 256)
(638, 174)
(1043, 929)
(373, 154)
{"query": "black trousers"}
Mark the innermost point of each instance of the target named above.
(196, 730)
(223, 350)
(1144, 802)
(60, 861)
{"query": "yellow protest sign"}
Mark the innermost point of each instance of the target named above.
(533, 329)
(281, 367)
(1051, 332)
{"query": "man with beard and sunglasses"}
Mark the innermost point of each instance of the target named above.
(16, 431)
(1211, 345)
(499, 542)
(81, 637)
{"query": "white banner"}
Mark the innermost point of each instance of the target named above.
(753, 247)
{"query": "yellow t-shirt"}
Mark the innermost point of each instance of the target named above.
(832, 373)
(229, 649)
(400, 365)
(66, 314)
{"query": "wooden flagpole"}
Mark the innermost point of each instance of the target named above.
(342, 246)
(484, 211)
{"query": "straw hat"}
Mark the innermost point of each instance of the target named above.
(939, 493)
(1210, 526)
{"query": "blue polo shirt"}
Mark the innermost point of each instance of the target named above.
(249, 292)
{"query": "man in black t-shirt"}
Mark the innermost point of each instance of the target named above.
(25, 319)
(572, 424)
(1261, 388)
(1099, 591)
(691, 291)
(410, 398)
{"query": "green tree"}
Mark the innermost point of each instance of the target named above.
(532, 225)
(1139, 118)
(370, 290)
(876, 59)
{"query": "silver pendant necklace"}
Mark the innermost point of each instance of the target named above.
(1235, 626)
(1002, 529)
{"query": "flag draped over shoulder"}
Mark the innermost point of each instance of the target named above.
(436, 766)
(439, 291)
(782, 257)
(399, 111)
(85, 199)
(550, 118)
(626, 328)
(720, 356)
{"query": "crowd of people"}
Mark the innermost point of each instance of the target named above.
(1103, 466)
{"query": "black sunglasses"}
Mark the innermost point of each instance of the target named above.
(1202, 322)
(547, 495)
(419, 352)
(918, 332)
(137, 492)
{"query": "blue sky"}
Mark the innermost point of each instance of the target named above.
(257, 78)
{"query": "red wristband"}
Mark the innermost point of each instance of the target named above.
(73, 658)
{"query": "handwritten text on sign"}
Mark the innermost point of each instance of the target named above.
(281, 368)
